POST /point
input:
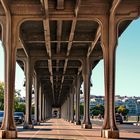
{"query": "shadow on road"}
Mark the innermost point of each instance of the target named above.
(43, 139)
(35, 129)
(129, 138)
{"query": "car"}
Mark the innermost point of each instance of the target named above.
(1, 116)
(19, 117)
(119, 118)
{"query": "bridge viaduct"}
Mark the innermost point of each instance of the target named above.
(57, 43)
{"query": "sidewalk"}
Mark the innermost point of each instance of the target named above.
(55, 129)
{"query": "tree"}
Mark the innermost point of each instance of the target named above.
(81, 109)
(20, 107)
(1, 95)
(96, 110)
(122, 109)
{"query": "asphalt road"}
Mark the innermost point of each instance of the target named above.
(126, 126)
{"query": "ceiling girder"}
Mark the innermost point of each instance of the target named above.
(47, 40)
(71, 36)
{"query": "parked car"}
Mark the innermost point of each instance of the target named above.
(1, 116)
(19, 117)
(119, 118)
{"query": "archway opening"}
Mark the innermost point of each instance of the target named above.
(127, 69)
(1, 73)
(19, 90)
(1, 62)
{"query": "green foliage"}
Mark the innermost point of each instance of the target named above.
(81, 109)
(1, 95)
(1, 87)
(33, 110)
(122, 109)
(20, 107)
(96, 110)
(17, 105)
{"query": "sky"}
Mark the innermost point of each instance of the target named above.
(127, 66)
(19, 73)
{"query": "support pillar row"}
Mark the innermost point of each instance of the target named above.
(109, 41)
(72, 107)
(86, 79)
(8, 128)
(77, 111)
(36, 100)
(29, 79)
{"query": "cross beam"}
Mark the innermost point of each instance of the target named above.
(70, 39)
(47, 40)
(59, 34)
(93, 44)
(60, 4)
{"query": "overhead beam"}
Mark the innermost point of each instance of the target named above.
(24, 47)
(67, 84)
(80, 69)
(60, 4)
(38, 57)
(35, 10)
(45, 78)
(66, 75)
(71, 37)
(56, 41)
(47, 30)
(93, 44)
(47, 40)
(59, 34)
(78, 2)
(46, 67)
(114, 6)
(72, 31)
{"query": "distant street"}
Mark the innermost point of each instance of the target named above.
(127, 127)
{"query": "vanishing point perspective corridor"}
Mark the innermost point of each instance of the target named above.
(58, 43)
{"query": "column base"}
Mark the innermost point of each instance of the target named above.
(28, 126)
(36, 123)
(78, 122)
(8, 134)
(42, 121)
(86, 126)
(137, 124)
(71, 121)
(107, 133)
